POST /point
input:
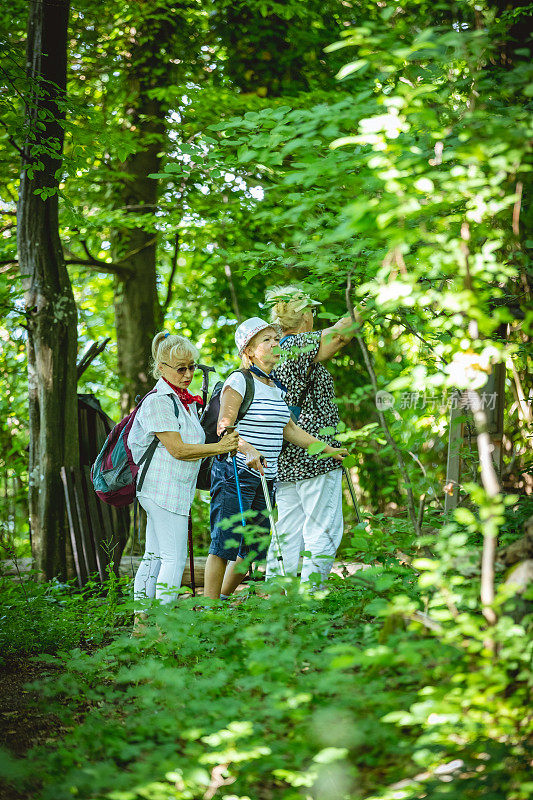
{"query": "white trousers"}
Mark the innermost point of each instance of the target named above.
(161, 569)
(309, 519)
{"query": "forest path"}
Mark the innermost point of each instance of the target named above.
(129, 565)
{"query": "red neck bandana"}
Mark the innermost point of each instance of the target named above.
(185, 396)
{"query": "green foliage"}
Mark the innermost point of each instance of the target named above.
(409, 183)
(337, 694)
(409, 179)
(37, 618)
(423, 141)
(429, 238)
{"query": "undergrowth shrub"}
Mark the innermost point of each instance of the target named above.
(383, 686)
(38, 617)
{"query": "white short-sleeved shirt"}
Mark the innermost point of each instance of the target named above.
(169, 482)
(262, 425)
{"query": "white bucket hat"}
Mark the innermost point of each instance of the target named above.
(247, 330)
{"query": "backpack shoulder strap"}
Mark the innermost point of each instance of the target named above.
(248, 395)
(176, 406)
(309, 378)
(139, 400)
(146, 459)
(307, 390)
(148, 454)
(284, 338)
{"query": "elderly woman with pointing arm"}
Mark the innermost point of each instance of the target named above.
(262, 430)
(308, 491)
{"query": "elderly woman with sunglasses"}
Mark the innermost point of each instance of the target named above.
(308, 489)
(170, 414)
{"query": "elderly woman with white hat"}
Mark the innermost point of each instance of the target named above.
(308, 490)
(262, 430)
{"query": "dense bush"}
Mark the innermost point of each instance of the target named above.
(383, 686)
(38, 618)
(403, 190)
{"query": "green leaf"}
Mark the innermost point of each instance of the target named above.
(330, 754)
(464, 516)
(384, 582)
(348, 69)
(376, 607)
(316, 447)
(329, 431)
(244, 155)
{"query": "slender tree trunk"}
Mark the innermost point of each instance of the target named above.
(137, 310)
(50, 306)
(491, 484)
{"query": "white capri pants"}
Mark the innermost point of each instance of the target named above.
(309, 519)
(161, 569)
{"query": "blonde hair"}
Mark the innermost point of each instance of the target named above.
(288, 305)
(166, 346)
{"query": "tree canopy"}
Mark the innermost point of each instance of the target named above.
(377, 154)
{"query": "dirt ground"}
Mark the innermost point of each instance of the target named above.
(22, 724)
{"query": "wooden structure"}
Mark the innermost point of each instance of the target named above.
(98, 532)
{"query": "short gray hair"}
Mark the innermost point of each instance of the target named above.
(167, 346)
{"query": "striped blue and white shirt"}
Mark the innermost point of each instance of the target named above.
(262, 425)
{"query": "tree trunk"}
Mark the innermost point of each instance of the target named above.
(137, 312)
(491, 484)
(137, 309)
(50, 306)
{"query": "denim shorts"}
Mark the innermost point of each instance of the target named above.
(224, 504)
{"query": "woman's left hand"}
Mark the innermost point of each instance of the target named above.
(338, 453)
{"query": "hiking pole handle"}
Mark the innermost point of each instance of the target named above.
(205, 375)
(230, 429)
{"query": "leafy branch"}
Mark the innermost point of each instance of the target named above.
(415, 519)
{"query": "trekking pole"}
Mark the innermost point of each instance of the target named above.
(191, 555)
(230, 429)
(239, 495)
(352, 492)
(273, 524)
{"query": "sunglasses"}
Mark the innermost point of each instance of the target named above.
(181, 370)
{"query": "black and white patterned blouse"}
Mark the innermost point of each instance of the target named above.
(318, 409)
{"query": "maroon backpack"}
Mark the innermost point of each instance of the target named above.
(114, 473)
